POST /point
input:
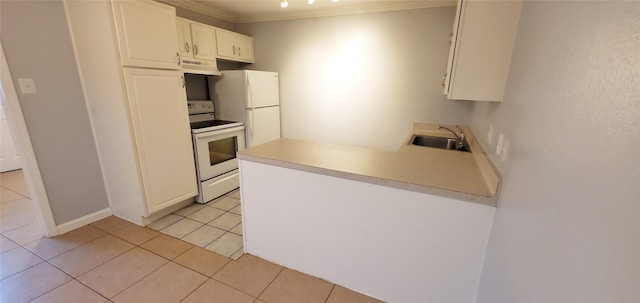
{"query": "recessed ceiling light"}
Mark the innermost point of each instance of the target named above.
(335, 0)
(312, 1)
(284, 3)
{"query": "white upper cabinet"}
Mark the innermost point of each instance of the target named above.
(146, 32)
(204, 41)
(245, 48)
(196, 40)
(185, 46)
(484, 34)
(233, 46)
(162, 136)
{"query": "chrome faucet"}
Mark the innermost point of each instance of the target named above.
(460, 138)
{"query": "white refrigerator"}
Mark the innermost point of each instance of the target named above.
(252, 97)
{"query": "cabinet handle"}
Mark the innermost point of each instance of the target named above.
(183, 82)
(195, 49)
(443, 79)
(186, 46)
(239, 51)
(178, 55)
(234, 49)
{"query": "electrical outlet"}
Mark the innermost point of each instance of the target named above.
(499, 148)
(27, 86)
(504, 156)
(490, 135)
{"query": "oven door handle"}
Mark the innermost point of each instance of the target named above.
(216, 133)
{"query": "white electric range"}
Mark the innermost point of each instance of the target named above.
(215, 144)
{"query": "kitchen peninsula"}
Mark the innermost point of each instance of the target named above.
(423, 215)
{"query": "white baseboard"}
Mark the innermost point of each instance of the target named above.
(90, 218)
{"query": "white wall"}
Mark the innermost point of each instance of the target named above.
(359, 80)
(392, 244)
(567, 228)
(38, 45)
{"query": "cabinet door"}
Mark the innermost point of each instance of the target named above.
(225, 44)
(483, 38)
(244, 45)
(263, 125)
(204, 43)
(146, 33)
(158, 111)
(184, 37)
(262, 89)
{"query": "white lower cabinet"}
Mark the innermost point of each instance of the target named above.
(138, 115)
(158, 111)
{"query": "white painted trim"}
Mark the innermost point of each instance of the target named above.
(82, 221)
(369, 8)
(22, 140)
(203, 9)
(344, 11)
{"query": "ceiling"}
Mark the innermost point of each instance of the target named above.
(246, 11)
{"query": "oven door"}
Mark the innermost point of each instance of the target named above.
(216, 151)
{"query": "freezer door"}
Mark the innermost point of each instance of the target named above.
(263, 125)
(262, 89)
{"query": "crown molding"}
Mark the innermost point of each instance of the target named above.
(203, 9)
(351, 10)
(370, 8)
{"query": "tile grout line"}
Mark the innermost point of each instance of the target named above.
(231, 286)
(134, 247)
(112, 233)
(214, 240)
(50, 290)
(126, 251)
(75, 278)
(142, 278)
(27, 268)
(328, 296)
(199, 285)
(218, 237)
(270, 282)
(87, 286)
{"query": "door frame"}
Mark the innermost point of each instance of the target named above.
(22, 141)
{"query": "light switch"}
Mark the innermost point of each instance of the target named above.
(504, 156)
(27, 86)
(490, 135)
(500, 145)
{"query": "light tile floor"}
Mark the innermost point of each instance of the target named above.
(216, 226)
(18, 222)
(113, 260)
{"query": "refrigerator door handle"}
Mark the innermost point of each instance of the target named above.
(249, 93)
(252, 123)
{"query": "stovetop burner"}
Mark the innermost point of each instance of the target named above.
(210, 123)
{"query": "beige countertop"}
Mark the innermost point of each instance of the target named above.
(453, 174)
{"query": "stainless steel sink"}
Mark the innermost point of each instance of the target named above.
(439, 142)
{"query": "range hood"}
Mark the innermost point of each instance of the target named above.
(202, 67)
